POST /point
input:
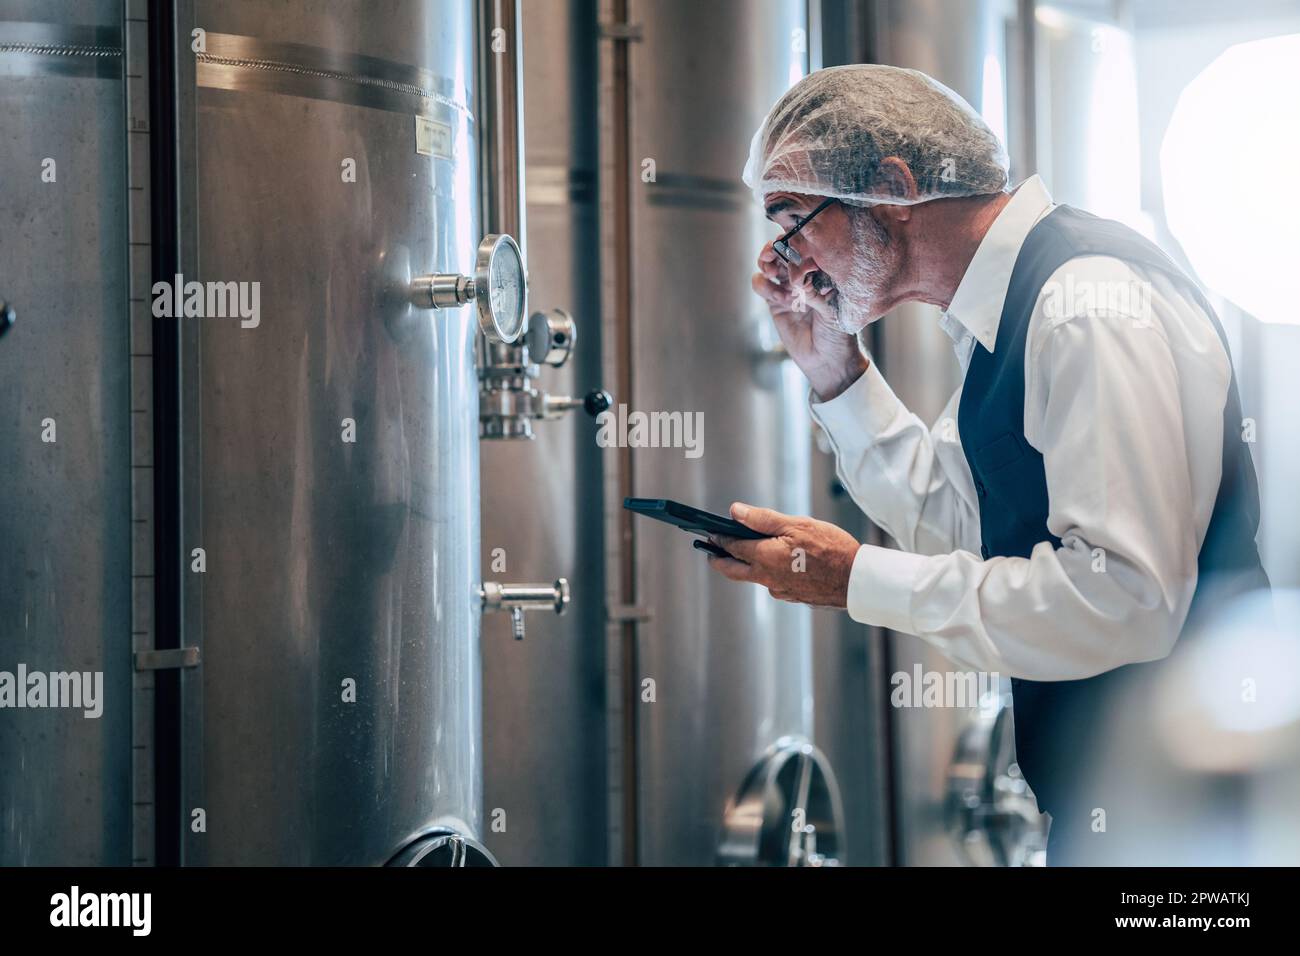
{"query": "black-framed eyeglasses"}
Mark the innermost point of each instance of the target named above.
(782, 246)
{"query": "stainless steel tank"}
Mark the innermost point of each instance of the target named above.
(543, 703)
(330, 453)
(964, 46)
(65, 431)
(850, 677)
(686, 86)
(1089, 77)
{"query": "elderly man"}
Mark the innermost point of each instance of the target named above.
(1085, 490)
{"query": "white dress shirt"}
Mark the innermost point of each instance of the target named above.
(1126, 407)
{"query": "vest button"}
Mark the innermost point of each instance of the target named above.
(981, 490)
(984, 551)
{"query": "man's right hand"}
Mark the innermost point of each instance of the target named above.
(830, 359)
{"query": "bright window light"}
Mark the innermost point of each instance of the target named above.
(993, 106)
(1228, 162)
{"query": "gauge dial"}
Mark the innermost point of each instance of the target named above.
(502, 288)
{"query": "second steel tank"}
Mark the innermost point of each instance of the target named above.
(718, 676)
(330, 446)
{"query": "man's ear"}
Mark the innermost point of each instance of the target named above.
(898, 183)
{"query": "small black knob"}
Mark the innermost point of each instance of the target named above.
(596, 401)
(7, 317)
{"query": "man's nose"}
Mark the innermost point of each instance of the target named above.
(806, 266)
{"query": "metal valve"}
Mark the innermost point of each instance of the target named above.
(990, 810)
(787, 812)
(509, 400)
(550, 337)
(518, 598)
(593, 403)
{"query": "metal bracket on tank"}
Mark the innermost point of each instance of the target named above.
(518, 598)
(627, 32)
(172, 658)
(630, 612)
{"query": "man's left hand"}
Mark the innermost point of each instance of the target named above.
(805, 561)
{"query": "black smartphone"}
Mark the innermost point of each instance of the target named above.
(690, 519)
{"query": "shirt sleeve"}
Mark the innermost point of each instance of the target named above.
(1115, 444)
(909, 479)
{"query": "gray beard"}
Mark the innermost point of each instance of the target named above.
(857, 295)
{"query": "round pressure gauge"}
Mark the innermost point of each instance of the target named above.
(501, 288)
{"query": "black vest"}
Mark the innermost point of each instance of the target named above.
(1053, 720)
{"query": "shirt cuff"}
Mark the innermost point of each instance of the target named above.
(881, 584)
(865, 409)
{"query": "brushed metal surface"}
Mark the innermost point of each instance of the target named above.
(951, 43)
(543, 707)
(1082, 60)
(732, 667)
(65, 533)
(850, 672)
(330, 560)
(37, 48)
(248, 63)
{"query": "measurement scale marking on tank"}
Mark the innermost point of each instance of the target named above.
(240, 63)
(139, 265)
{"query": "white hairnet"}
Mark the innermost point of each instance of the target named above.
(828, 134)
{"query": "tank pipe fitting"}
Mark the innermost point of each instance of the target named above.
(442, 291)
(593, 403)
(518, 598)
(509, 400)
(501, 105)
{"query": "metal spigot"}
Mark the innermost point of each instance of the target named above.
(518, 598)
(593, 403)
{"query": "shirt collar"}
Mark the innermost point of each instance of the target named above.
(977, 303)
